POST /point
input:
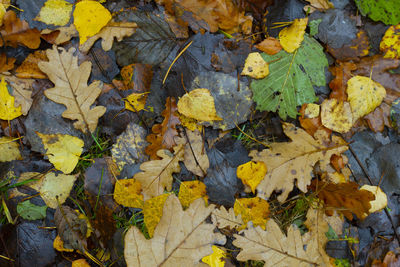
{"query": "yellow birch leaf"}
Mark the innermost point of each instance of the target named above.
(364, 95)
(136, 101)
(54, 189)
(252, 209)
(127, 192)
(9, 149)
(189, 191)
(89, 18)
(292, 36)
(7, 109)
(390, 43)
(216, 259)
(255, 66)
(312, 111)
(56, 12)
(63, 150)
(152, 212)
(252, 173)
(58, 245)
(199, 105)
(380, 201)
(336, 115)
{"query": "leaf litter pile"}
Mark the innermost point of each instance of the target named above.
(199, 133)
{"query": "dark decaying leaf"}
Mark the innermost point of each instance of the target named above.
(137, 77)
(358, 48)
(395, 114)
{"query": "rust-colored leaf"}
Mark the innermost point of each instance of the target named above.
(29, 68)
(6, 63)
(311, 125)
(270, 46)
(358, 48)
(137, 77)
(342, 73)
(164, 133)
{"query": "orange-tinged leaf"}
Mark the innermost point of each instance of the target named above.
(380, 201)
(80, 263)
(252, 209)
(137, 77)
(152, 212)
(89, 18)
(6, 63)
(342, 73)
(310, 123)
(58, 245)
(252, 173)
(217, 258)
(29, 68)
(127, 192)
(136, 101)
(189, 191)
(7, 109)
(390, 43)
(292, 36)
(271, 46)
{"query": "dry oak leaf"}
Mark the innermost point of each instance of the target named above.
(276, 248)
(60, 35)
(181, 238)
(336, 115)
(196, 159)
(71, 88)
(226, 218)
(9, 149)
(290, 161)
(164, 133)
(156, 175)
(189, 191)
(112, 30)
(291, 37)
(29, 68)
(16, 32)
(22, 91)
(8, 111)
(253, 209)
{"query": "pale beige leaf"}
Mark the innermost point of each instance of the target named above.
(196, 159)
(112, 30)
(294, 161)
(226, 218)
(71, 89)
(275, 248)
(65, 34)
(22, 91)
(156, 175)
(181, 238)
(9, 149)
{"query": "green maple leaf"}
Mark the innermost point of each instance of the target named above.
(291, 79)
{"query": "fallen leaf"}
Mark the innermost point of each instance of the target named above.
(9, 150)
(71, 87)
(226, 218)
(30, 211)
(196, 159)
(6, 63)
(291, 37)
(385, 11)
(8, 111)
(58, 245)
(337, 115)
(189, 191)
(255, 66)
(16, 32)
(294, 161)
(342, 72)
(152, 212)
(61, 35)
(136, 101)
(358, 48)
(22, 91)
(390, 43)
(89, 18)
(181, 238)
(80, 263)
(3, 7)
(270, 45)
(137, 77)
(198, 104)
(321, 4)
(56, 12)
(380, 201)
(29, 68)
(216, 258)
(364, 95)
(253, 209)
(164, 133)
(127, 192)
(156, 175)
(311, 125)
(252, 173)
(63, 150)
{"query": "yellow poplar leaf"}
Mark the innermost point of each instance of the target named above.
(198, 104)
(9, 149)
(252, 209)
(58, 245)
(136, 101)
(380, 201)
(89, 18)
(7, 109)
(127, 192)
(336, 115)
(292, 36)
(255, 66)
(56, 12)
(390, 43)
(364, 95)
(252, 173)
(215, 259)
(63, 150)
(189, 191)
(152, 212)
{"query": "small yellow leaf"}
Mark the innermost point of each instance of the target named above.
(390, 43)
(380, 201)
(127, 192)
(336, 115)
(9, 149)
(152, 212)
(216, 259)
(292, 36)
(56, 12)
(199, 105)
(89, 18)
(7, 109)
(63, 150)
(189, 191)
(312, 111)
(58, 245)
(80, 263)
(255, 66)
(364, 95)
(252, 209)
(252, 173)
(136, 101)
